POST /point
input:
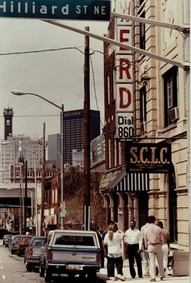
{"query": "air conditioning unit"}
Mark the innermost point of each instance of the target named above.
(143, 127)
(174, 114)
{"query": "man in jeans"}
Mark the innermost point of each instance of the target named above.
(153, 238)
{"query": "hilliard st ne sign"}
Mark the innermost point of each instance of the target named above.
(57, 9)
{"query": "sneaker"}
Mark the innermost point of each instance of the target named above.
(146, 274)
(112, 278)
(121, 277)
(153, 280)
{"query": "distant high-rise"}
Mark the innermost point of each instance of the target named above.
(54, 149)
(8, 122)
(74, 131)
(73, 134)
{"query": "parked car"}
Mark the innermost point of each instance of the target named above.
(6, 239)
(70, 252)
(32, 252)
(23, 243)
(13, 245)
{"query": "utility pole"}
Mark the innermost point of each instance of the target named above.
(25, 198)
(62, 202)
(43, 181)
(86, 135)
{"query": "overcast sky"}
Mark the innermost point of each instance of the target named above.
(55, 75)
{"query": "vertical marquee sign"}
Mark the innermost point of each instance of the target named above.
(124, 80)
(57, 9)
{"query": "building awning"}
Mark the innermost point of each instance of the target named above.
(108, 178)
(121, 181)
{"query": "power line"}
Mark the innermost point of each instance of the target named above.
(36, 115)
(47, 50)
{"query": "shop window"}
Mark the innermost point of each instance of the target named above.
(173, 208)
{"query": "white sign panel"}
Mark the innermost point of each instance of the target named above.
(124, 128)
(124, 99)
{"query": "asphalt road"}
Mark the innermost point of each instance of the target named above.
(12, 270)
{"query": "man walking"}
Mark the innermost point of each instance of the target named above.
(153, 238)
(145, 254)
(134, 241)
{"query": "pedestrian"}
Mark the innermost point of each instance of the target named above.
(165, 246)
(110, 222)
(144, 254)
(153, 238)
(134, 243)
(113, 241)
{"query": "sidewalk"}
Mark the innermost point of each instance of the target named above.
(168, 277)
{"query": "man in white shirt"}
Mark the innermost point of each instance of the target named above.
(134, 241)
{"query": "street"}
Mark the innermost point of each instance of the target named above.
(12, 270)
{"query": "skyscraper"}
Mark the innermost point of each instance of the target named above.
(74, 131)
(74, 134)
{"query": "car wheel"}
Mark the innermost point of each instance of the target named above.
(92, 277)
(47, 275)
(28, 266)
(41, 270)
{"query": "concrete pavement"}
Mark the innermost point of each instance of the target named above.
(168, 276)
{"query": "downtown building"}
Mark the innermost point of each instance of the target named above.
(146, 110)
(73, 137)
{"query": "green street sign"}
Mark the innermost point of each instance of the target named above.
(57, 9)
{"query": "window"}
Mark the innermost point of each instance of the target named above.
(170, 79)
(74, 240)
(142, 33)
(143, 104)
(143, 111)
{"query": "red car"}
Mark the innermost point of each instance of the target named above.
(23, 243)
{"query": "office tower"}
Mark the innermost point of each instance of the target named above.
(74, 131)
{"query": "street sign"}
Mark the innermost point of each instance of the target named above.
(57, 9)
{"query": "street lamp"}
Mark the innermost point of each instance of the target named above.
(19, 93)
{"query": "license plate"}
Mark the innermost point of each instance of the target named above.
(73, 267)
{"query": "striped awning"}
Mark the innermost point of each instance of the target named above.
(125, 182)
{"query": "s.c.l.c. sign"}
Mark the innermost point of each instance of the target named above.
(148, 157)
(57, 9)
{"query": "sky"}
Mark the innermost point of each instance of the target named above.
(56, 75)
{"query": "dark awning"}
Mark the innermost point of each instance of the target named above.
(121, 181)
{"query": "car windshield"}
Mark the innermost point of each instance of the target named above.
(16, 240)
(38, 242)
